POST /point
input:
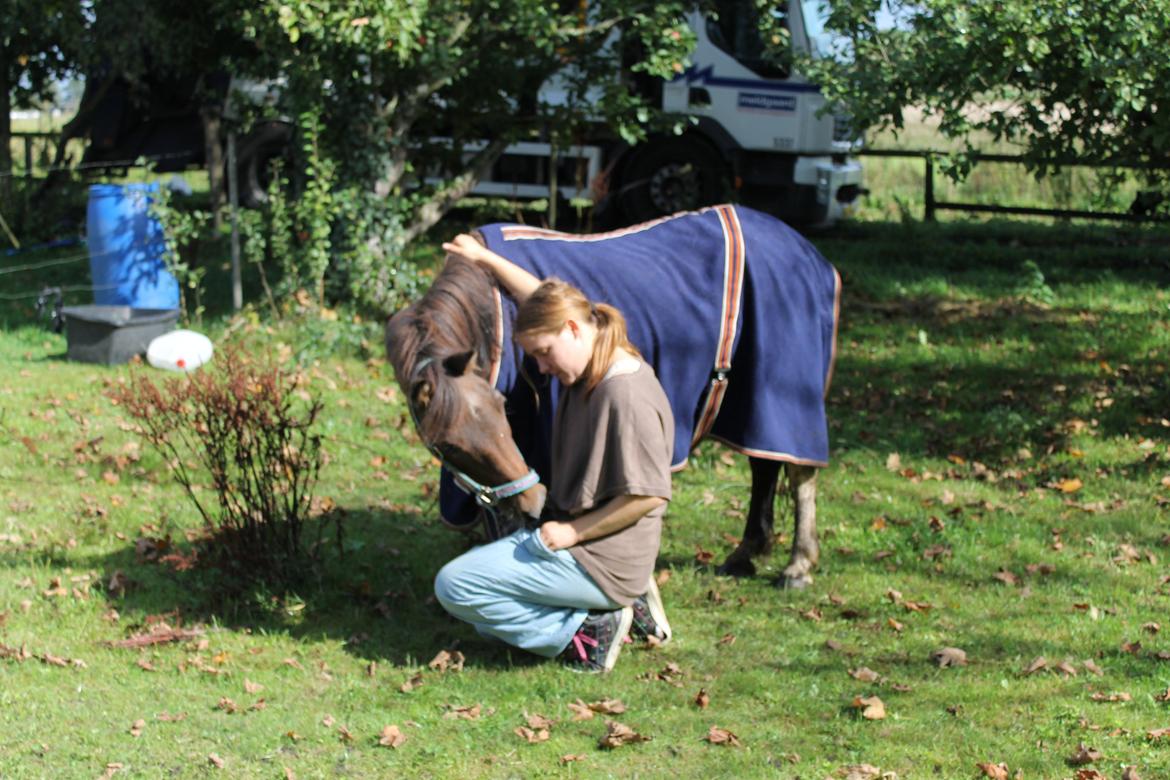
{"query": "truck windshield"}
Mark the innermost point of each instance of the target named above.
(734, 26)
(816, 14)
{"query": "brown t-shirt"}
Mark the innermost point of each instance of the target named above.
(617, 440)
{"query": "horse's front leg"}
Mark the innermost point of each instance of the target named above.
(757, 532)
(805, 550)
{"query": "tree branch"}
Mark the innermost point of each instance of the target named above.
(432, 211)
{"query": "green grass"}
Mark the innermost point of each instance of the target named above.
(994, 381)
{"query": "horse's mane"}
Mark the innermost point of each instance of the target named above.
(456, 315)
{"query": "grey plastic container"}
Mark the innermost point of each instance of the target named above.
(113, 334)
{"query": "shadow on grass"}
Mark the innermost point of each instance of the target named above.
(956, 389)
(376, 598)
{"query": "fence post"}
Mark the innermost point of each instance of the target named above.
(928, 195)
(234, 202)
(28, 169)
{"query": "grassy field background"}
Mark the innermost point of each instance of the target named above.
(999, 484)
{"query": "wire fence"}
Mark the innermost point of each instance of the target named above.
(43, 289)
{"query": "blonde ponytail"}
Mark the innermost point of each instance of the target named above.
(555, 302)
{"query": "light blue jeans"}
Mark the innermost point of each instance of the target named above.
(517, 590)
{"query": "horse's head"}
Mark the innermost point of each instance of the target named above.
(459, 415)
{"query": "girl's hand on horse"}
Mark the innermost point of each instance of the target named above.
(465, 246)
(558, 536)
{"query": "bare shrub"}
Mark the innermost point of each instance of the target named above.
(245, 426)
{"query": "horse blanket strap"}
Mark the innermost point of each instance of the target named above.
(733, 271)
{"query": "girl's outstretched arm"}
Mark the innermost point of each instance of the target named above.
(515, 279)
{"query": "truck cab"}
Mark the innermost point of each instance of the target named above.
(758, 134)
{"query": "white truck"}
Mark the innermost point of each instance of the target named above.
(757, 136)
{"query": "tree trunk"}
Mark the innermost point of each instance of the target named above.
(72, 129)
(213, 153)
(5, 128)
(436, 208)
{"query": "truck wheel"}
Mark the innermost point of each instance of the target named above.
(665, 177)
(265, 144)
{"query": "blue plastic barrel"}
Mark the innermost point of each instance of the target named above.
(126, 249)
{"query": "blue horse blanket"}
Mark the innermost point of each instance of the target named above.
(675, 281)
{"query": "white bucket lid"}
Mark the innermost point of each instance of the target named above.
(179, 350)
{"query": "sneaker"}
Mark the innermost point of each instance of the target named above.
(650, 616)
(595, 646)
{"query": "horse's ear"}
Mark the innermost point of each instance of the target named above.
(421, 394)
(456, 365)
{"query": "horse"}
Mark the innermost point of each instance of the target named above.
(736, 312)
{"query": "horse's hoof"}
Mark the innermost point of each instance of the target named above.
(736, 568)
(793, 583)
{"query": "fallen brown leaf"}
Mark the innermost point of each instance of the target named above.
(227, 705)
(1111, 697)
(447, 661)
(1084, 755)
(532, 736)
(463, 713)
(859, 772)
(136, 729)
(949, 656)
(412, 683)
(581, 710)
(251, 687)
(571, 757)
(871, 707)
(1157, 733)
(391, 737)
(1038, 664)
(1092, 667)
(215, 760)
(994, 771)
(865, 674)
(539, 722)
(718, 736)
(1006, 577)
(607, 706)
(702, 700)
(618, 734)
